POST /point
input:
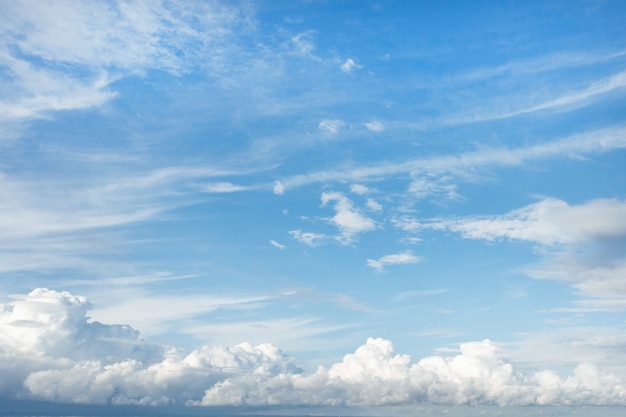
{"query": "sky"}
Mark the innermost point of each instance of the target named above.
(314, 204)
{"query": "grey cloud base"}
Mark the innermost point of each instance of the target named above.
(51, 351)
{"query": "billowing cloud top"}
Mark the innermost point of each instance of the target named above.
(52, 351)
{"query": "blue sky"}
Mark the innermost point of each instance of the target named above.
(315, 199)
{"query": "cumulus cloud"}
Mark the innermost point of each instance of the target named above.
(279, 188)
(406, 257)
(51, 350)
(47, 322)
(375, 375)
(347, 218)
(349, 65)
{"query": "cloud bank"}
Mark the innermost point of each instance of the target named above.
(51, 350)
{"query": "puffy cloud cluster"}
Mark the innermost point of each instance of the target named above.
(374, 376)
(347, 218)
(49, 349)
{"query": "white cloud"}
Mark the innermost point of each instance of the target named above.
(309, 238)
(432, 186)
(331, 126)
(223, 187)
(123, 35)
(50, 350)
(407, 223)
(276, 244)
(359, 189)
(548, 222)
(373, 205)
(304, 44)
(457, 167)
(580, 241)
(375, 126)
(279, 188)
(406, 257)
(102, 42)
(544, 63)
(348, 219)
(374, 375)
(349, 65)
(565, 102)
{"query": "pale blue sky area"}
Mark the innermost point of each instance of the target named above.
(240, 194)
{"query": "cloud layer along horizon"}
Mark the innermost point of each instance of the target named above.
(52, 351)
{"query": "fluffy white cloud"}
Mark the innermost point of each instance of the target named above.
(374, 375)
(176, 379)
(406, 257)
(279, 188)
(50, 350)
(51, 323)
(349, 65)
(347, 218)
